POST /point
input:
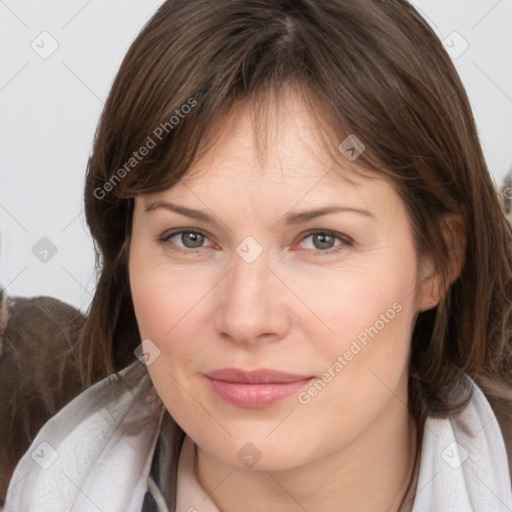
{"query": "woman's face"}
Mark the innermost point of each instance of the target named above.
(275, 298)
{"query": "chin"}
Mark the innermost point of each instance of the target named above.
(251, 452)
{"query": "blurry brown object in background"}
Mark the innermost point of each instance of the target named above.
(39, 371)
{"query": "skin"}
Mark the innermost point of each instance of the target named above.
(296, 308)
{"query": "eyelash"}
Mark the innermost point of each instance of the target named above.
(345, 241)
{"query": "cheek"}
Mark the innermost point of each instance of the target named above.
(169, 308)
(158, 307)
(164, 299)
(367, 314)
(364, 300)
(164, 311)
(365, 364)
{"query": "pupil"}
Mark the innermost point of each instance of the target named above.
(196, 239)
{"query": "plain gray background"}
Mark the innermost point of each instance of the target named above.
(57, 61)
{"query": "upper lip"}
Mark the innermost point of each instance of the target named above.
(259, 376)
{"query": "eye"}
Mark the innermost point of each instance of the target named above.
(324, 242)
(321, 241)
(190, 240)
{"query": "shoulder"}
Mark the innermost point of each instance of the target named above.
(96, 452)
(464, 463)
(503, 410)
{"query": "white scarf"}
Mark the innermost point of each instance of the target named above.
(90, 457)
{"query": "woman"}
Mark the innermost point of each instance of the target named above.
(293, 214)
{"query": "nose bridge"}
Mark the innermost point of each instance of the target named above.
(251, 304)
(249, 279)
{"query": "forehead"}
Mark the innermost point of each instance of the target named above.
(279, 138)
(281, 150)
(258, 167)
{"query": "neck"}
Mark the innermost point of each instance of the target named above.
(371, 474)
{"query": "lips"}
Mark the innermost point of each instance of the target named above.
(256, 388)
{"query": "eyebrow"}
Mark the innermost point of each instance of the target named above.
(290, 218)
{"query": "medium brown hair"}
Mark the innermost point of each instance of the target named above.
(378, 71)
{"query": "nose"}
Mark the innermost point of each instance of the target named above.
(251, 304)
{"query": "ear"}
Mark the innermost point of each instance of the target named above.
(431, 290)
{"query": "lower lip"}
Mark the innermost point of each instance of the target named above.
(255, 396)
